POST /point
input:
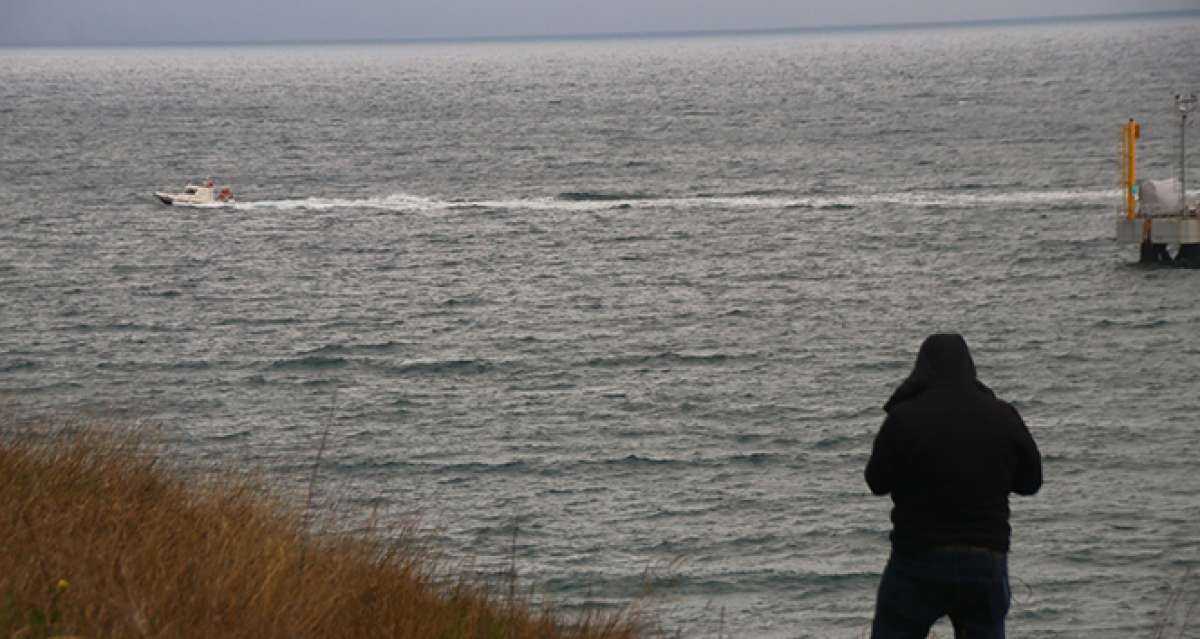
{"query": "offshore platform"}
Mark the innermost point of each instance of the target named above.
(1156, 213)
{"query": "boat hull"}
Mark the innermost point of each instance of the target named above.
(184, 199)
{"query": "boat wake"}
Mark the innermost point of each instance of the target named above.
(394, 202)
(404, 202)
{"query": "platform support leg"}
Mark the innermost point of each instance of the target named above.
(1152, 253)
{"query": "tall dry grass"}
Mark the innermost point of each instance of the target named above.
(99, 538)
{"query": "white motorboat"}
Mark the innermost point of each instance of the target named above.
(193, 195)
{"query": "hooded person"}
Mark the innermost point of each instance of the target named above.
(949, 453)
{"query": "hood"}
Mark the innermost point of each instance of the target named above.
(944, 360)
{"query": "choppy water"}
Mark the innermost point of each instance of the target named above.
(643, 297)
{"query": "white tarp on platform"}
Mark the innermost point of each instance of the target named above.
(1159, 197)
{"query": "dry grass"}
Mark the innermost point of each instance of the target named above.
(99, 539)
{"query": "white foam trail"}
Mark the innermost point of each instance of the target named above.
(394, 202)
(404, 202)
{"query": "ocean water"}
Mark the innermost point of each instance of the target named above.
(640, 299)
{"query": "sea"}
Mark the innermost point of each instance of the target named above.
(619, 314)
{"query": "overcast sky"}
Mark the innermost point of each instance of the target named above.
(153, 21)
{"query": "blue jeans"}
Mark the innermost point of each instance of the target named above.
(970, 585)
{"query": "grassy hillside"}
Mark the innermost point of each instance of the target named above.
(101, 539)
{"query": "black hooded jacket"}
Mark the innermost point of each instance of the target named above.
(950, 452)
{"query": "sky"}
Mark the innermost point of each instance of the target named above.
(81, 22)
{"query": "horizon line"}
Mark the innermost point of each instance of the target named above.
(617, 35)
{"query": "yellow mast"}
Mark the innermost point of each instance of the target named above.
(1130, 134)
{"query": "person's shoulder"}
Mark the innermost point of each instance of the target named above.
(1005, 410)
(905, 408)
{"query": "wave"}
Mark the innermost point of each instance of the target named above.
(340, 355)
(47, 388)
(350, 348)
(970, 196)
(310, 361)
(669, 357)
(483, 468)
(21, 364)
(635, 460)
(592, 196)
(440, 367)
(257, 321)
